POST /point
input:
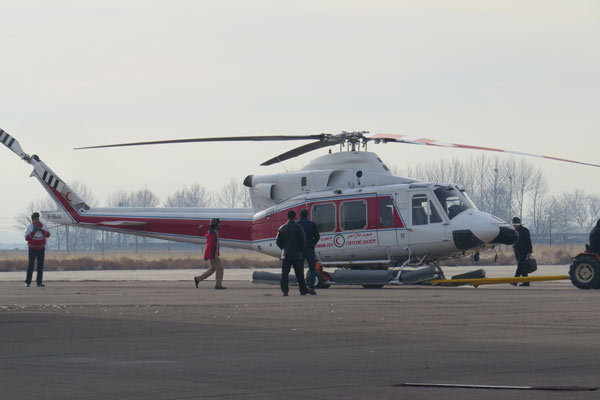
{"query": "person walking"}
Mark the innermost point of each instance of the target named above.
(522, 248)
(211, 254)
(36, 235)
(311, 234)
(291, 240)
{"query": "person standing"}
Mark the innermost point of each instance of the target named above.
(211, 254)
(291, 240)
(36, 235)
(311, 234)
(522, 248)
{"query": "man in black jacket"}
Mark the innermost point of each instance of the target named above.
(291, 241)
(522, 248)
(311, 233)
(595, 238)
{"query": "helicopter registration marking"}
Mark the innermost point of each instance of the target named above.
(346, 240)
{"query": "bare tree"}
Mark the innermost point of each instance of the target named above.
(119, 198)
(193, 196)
(144, 198)
(522, 181)
(245, 198)
(233, 195)
(539, 188)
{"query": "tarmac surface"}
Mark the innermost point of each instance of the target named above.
(168, 340)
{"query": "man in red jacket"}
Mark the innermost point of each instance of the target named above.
(211, 254)
(36, 236)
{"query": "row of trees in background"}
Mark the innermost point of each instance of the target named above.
(231, 195)
(504, 187)
(508, 187)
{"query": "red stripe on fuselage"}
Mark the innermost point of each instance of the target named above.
(229, 229)
(265, 227)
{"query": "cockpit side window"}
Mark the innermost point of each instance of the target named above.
(423, 211)
(453, 201)
(419, 213)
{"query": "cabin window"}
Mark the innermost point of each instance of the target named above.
(423, 211)
(303, 181)
(353, 215)
(324, 216)
(386, 213)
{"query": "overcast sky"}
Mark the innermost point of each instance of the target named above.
(520, 75)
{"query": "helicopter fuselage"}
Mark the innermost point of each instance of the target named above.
(366, 216)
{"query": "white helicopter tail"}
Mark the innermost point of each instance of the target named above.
(59, 191)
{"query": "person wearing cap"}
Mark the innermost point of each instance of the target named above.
(291, 240)
(36, 235)
(211, 254)
(522, 248)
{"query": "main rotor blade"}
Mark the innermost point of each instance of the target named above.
(386, 137)
(298, 151)
(216, 139)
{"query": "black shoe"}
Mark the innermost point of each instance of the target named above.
(41, 285)
(218, 287)
(285, 294)
(196, 282)
(524, 284)
(312, 291)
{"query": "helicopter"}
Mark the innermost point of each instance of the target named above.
(370, 221)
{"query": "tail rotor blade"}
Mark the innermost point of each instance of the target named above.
(13, 145)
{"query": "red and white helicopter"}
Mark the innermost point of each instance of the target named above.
(370, 220)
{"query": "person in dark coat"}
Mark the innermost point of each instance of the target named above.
(291, 240)
(311, 233)
(522, 248)
(595, 238)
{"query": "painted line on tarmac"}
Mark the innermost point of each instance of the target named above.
(501, 387)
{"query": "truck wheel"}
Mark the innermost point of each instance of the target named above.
(585, 272)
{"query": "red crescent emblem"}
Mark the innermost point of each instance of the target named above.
(67, 196)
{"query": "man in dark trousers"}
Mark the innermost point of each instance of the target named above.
(311, 233)
(36, 235)
(291, 241)
(522, 248)
(595, 238)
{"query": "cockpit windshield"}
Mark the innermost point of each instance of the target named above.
(453, 201)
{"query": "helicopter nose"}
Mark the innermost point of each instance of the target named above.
(506, 236)
(465, 239)
(476, 228)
